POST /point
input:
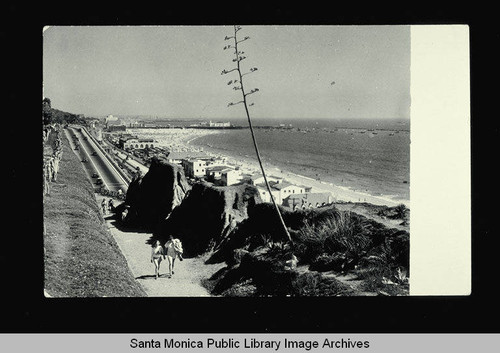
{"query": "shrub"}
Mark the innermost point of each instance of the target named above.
(314, 284)
(341, 233)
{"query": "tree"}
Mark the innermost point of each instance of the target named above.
(46, 111)
(239, 86)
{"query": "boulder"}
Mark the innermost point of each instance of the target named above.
(207, 215)
(152, 197)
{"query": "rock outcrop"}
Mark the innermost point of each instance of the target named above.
(207, 215)
(152, 197)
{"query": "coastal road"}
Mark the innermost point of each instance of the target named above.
(131, 162)
(97, 163)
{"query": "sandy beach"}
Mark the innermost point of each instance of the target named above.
(180, 140)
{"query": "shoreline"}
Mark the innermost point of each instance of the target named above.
(183, 139)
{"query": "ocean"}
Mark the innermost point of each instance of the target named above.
(371, 156)
(345, 153)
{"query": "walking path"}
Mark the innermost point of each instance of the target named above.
(186, 282)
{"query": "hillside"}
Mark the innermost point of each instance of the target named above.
(81, 257)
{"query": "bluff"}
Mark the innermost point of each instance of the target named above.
(207, 215)
(152, 197)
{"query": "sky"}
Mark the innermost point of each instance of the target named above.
(175, 71)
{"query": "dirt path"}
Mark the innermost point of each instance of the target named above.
(186, 282)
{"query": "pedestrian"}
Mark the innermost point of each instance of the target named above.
(46, 185)
(55, 168)
(124, 214)
(157, 253)
(111, 205)
(173, 249)
(104, 206)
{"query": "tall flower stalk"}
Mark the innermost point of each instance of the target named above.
(238, 86)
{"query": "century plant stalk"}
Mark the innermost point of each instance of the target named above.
(238, 59)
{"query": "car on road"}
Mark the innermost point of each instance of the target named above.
(99, 181)
(95, 175)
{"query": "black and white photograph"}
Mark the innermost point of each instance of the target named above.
(226, 161)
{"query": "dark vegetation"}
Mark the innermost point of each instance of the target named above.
(326, 242)
(51, 115)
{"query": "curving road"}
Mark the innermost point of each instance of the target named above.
(98, 163)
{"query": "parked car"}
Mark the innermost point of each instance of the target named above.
(85, 160)
(95, 175)
(94, 153)
(99, 181)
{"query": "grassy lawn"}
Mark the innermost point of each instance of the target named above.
(81, 257)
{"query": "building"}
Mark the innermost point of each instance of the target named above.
(137, 143)
(308, 200)
(259, 179)
(194, 168)
(280, 189)
(219, 124)
(177, 157)
(114, 124)
(230, 177)
(214, 173)
(110, 119)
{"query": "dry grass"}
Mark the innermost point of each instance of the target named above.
(81, 257)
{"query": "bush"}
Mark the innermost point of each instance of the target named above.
(314, 284)
(339, 234)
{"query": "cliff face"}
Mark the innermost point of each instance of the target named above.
(207, 215)
(153, 196)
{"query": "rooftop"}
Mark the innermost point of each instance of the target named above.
(219, 168)
(313, 198)
(187, 155)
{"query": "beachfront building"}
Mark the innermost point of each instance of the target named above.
(214, 173)
(137, 143)
(194, 168)
(264, 193)
(280, 189)
(230, 177)
(175, 157)
(308, 200)
(259, 179)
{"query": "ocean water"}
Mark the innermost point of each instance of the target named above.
(374, 162)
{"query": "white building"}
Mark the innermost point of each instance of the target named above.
(219, 124)
(308, 200)
(175, 157)
(214, 172)
(280, 190)
(111, 118)
(194, 168)
(259, 179)
(230, 177)
(134, 143)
